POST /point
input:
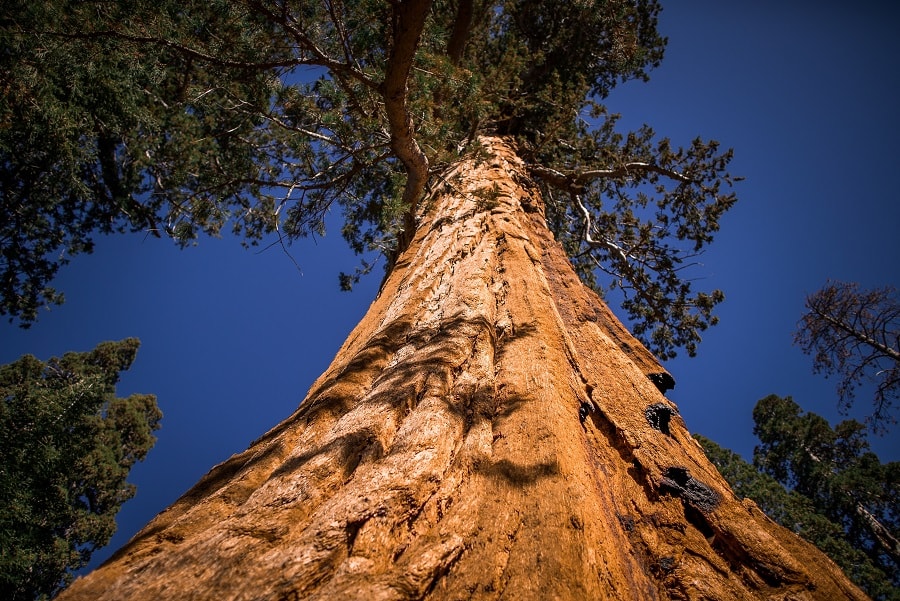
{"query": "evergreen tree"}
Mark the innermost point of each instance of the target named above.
(181, 118)
(800, 514)
(68, 446)
(837, 471)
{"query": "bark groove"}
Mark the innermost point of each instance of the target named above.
(484, 433)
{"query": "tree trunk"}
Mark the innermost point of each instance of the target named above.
(488, 431)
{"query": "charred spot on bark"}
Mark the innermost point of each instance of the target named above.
(627, 522)
(663, 381)
(665, 566)
(576, 522)
(584, 410)
(695, 494)
(658, 416)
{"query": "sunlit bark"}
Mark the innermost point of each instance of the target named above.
(488, 431)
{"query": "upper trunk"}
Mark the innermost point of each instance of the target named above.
(487, 431)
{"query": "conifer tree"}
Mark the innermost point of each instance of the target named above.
(817, 518)
(836, 469)
(182, 118)
(68, 446)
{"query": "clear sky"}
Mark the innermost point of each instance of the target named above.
(806, 93)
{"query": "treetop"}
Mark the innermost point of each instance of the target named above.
(260, 117)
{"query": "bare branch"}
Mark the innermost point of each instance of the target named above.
(577, 180)
(848, 333)
(628, 168)
(612, 247)
(858, 333)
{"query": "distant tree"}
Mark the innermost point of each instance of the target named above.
(68, 444)
(837, 470)
(855, 335)
(826, 485)
(800, 514)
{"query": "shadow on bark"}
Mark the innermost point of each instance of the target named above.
(348, 451)
(517, 474)
(398, 388)
(359, 373)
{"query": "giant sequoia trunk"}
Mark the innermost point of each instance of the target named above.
(488, 431)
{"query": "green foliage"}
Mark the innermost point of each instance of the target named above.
(652, 213)
(855, 335)
(825, 485)
(68, 446)
(184, 118)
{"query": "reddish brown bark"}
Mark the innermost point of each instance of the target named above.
(441, 456)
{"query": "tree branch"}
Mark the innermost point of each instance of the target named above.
(857, 334)
(636, 166)
(318, 58)
(408, 23)
(882, 534)
(321, 59)
(180, 48)
(575, 181)
(607, 244)
(461, 26)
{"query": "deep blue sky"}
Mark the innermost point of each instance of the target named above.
(805, 91)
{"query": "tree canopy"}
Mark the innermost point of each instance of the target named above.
(826, 485)
(190, 118)
(854, 334)
(68, 446)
